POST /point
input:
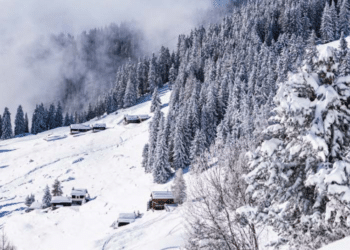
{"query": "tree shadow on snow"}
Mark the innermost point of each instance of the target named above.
(6, 150)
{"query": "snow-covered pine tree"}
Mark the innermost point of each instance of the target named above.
(152, 141)
(311, 52)
(19, 121)
(179, 187)
(145, 156)
(327, 26)
(180, 148)
(344, 18)
(152, 77)
(156, 102)
(56, 188)
(343, 48)
(66, 120)
(0, 126)
(161, 169)
(51, 120)
(6, 125)
(26, 124)
(294, 168)
(46, 201)
(130, 94)
(59, 116)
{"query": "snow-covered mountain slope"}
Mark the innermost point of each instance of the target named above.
(108, 164)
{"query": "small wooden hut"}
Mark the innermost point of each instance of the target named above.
(98, 127)
(61, 201)
(135, 118)
(79, 196)
(126, 218)
(77, 128)
(159, 199)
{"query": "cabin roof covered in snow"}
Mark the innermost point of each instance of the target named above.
(136, 117)
(79, 191)
(131, 117)
(126, 217)
(99, 125)
(79, 126)
(162, 195)
(143, 117)
(60, 199)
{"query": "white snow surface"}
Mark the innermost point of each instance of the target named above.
(108, 164)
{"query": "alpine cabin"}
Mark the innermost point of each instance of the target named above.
(126, 218)
(79, 196)
(159, 199)
(60, 201)
(135, 118)
(77, 128)
(98, 127)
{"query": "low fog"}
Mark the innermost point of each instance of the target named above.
(27, 26)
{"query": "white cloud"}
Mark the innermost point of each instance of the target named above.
(23, 22)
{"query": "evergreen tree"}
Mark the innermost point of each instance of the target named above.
(66, 120)
(311, 52)
(19, 122)
(59, 116)
(6, 125)
(145, 156)
(29, 200)
(153, 134)
(46, 201)
(0, 126)
(327, 26)
(297, 161)
(156, 102)
(161, 169)
(343, 48)
(26, 124)
(51, 117)
(179, 187)
(152, 77)
(180, 154)
(56, 188)
(130, 94)
(344, 18)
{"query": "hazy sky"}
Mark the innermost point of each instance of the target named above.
(25, 21)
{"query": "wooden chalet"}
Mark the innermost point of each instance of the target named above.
(98, 127)
(135, 118)
(77, 128)
(126, 218)
(79, 196)
(159, 199)
(60, 201)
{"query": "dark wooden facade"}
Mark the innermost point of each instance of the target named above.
(158, 204)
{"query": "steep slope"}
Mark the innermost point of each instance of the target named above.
(108, 164)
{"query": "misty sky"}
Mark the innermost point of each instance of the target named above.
(23, 22)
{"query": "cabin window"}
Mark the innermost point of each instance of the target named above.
(81, 196)
(73, 196)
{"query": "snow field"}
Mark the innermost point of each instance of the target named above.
(108, 164)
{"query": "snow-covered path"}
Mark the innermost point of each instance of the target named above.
(108, 164)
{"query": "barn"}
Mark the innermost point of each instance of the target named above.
(77, 128)
(98, 127)
(79, 196)
(60, 201)
(135, 118)
(159, 199)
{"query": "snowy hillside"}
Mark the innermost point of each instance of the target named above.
(108, 164)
